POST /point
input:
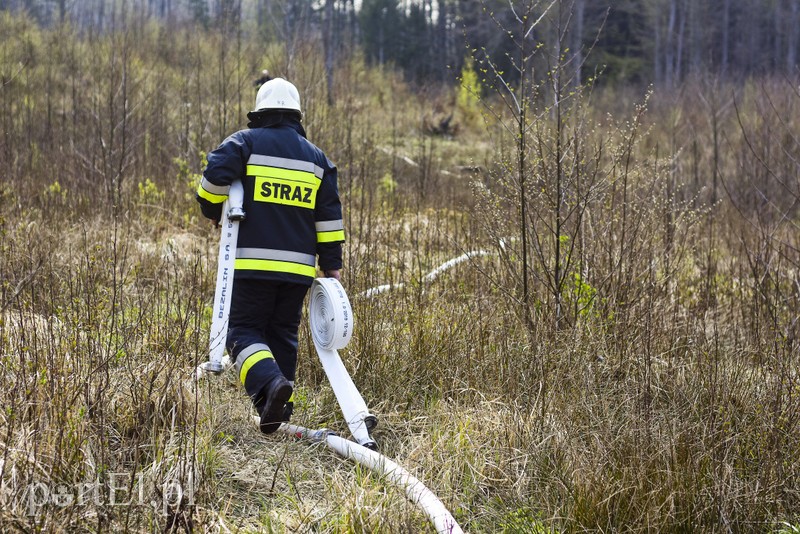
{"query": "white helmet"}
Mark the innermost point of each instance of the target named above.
(277, 94)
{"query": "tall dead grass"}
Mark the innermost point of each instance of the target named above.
(664, 399)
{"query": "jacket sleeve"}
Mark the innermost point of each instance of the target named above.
(328, 220)
(225, 164)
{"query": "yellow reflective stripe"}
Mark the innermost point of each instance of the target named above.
(211, 197)
(330, 237)
(291, 256)
(291, 399)
(283, 174)
(275, 266)
(251, 361)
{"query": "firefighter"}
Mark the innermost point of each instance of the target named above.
(293, 216)
(261, 80)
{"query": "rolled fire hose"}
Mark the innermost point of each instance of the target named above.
(232, 215)
(331, 319)
(416, 491)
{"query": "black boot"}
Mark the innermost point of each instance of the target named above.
(275, 395)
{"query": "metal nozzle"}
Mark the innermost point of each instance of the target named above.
(236, 214)
(212, 367)
(370, 421)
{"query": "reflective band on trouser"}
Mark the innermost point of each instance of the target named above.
(279, 261)
(216, 194)
(330, 231)
(250, 356)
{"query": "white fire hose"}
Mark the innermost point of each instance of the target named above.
(232, 215)
(430, 277)
(416, 491)
(331, 319)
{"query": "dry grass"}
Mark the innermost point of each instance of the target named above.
(663, 396)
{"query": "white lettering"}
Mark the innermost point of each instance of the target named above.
(88, 493)
(114, 488)
(35, 504)
(173, 496)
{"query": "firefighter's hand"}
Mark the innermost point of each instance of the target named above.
(335, 273)
(215, 222)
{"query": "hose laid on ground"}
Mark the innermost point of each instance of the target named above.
(331, 319)
(430, 277)
(416, 491)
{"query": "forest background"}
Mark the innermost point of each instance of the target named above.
(618, 351)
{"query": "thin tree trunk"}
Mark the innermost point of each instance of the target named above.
(327, 38)
(658, 72)
(791, 40)
(101, 14)
(669, 46)
(754, 40)
(440, 40)
(726, 21)
(777, 33)
(577, 41)
(558, 275)
(355, 30)
(696, 34)
(521, 162)
(679, 53)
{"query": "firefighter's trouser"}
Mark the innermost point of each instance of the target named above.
(262, 333)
